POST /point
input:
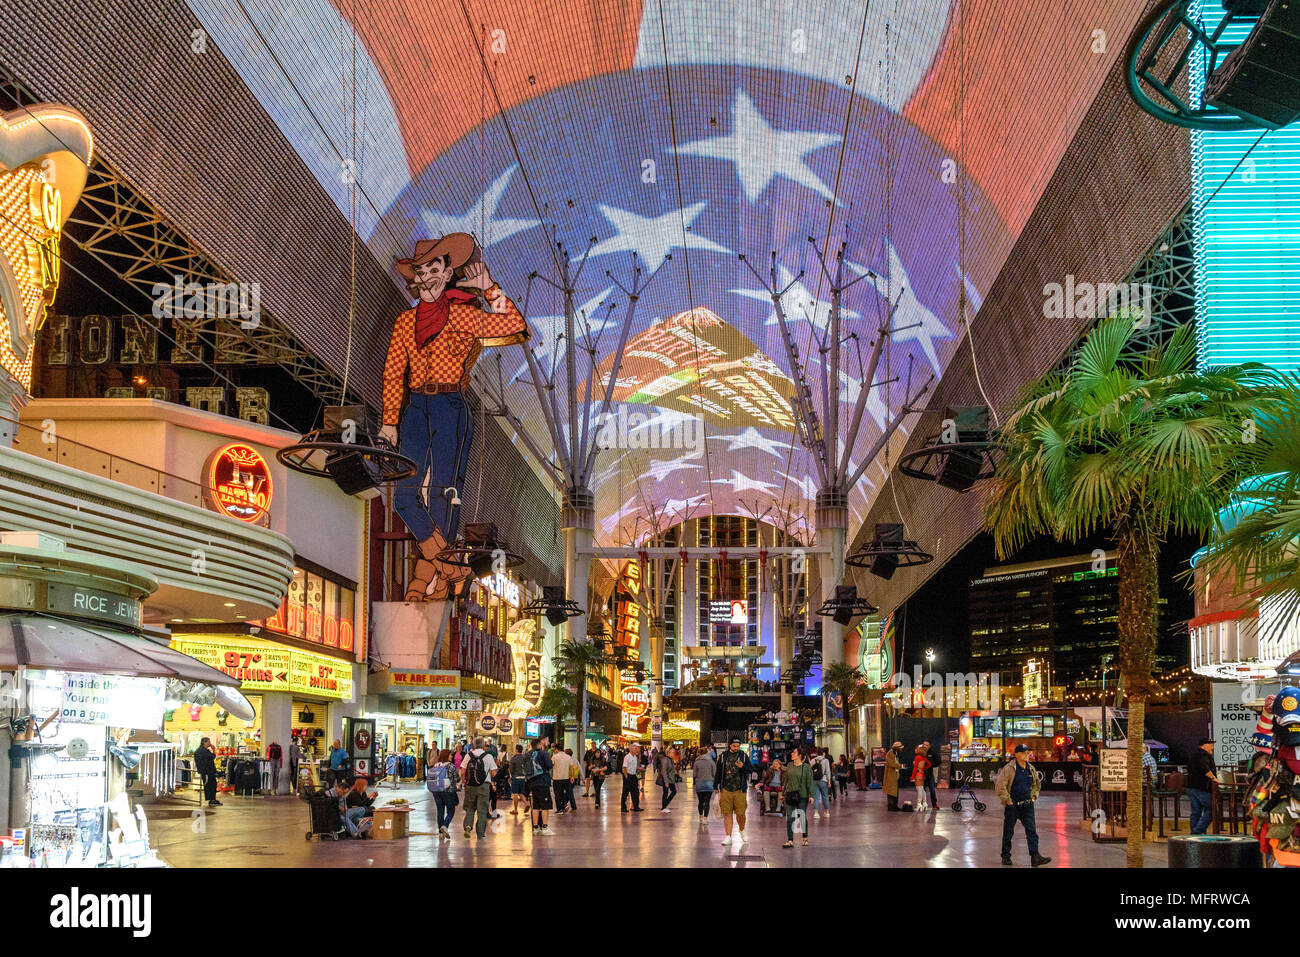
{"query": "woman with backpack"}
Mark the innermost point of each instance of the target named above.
(442, 779)
(821, 777)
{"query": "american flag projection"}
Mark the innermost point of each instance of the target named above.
(689, 133)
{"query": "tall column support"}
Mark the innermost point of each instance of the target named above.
(785, 656)
(578, 522)
(832, 532)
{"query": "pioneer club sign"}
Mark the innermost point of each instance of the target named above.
(475, 651)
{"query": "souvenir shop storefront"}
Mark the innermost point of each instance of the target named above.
(86, 688)
(416, 711)
(298, 695)
(299, 652)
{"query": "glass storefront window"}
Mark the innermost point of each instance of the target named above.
(315, 607)
(330, 625)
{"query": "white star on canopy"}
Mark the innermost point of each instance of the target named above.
(761, 153)
(925, 325)
(743, 483)
(799, 303)
(751, 438)
(588, 315)
(437, 223)
(652, 238)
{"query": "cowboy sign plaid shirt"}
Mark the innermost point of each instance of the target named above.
(448, 358)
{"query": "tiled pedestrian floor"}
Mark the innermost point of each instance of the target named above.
(269, 832)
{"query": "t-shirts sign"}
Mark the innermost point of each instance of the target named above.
(436, 705)
(114, 700)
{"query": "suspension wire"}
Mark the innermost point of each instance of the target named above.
(962, 205)
(353, 176)
(686, 256)
(821, 276)
(514, 144)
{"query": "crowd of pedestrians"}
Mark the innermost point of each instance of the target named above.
(541, 779)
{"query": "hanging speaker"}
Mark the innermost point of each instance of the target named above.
(1260, 79)
(554, 595)
(887, 535)
(353, 472)
(845, 597)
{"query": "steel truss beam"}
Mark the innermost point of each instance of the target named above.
(125, 233)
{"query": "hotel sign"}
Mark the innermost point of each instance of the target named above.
(265, 666)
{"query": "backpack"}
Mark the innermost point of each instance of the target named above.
(475, 772)
(533, 765)
(817, 771)
(437, 778)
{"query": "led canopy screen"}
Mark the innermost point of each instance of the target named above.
(689, 132)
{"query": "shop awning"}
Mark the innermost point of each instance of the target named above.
(39, 641)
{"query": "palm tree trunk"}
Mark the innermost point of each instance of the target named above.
(1138, 595)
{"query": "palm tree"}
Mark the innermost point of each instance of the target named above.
(1139, 444)
(579, 664)
(1257, 542)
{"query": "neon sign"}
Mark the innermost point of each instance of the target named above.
(239, 483)
(628, 618)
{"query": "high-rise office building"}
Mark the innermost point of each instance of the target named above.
(1061, 610)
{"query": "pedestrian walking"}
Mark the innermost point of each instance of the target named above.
(631, 785)
(666, 778)
(1017, 787)
(596, 776)
(731, 780)
(1201, 778)
(821, 778)
(704, 769)
(842, 771)
(893, 769)
(860, 769)
(537, 773)
(477, 769)
(442, 779)
(562, 763)
(518, 780)
(205, 763)
(919, 765)
(798, 791)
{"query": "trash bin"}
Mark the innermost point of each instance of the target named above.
(1205, 851)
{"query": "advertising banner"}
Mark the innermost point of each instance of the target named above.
(437, 705)
(264, 666)
(113, 700)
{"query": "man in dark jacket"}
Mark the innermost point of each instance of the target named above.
(731, 781)
(933, 754)
(1200, 779)
(1017, 787)
(205, 764)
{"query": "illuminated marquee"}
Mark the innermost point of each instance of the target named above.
(628, 619)
(239, 483)
(45, 151)
(265, 666)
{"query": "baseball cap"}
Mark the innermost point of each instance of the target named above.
(1204, 741)
(1286, 707)
(1020, 748)
(734, 741)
